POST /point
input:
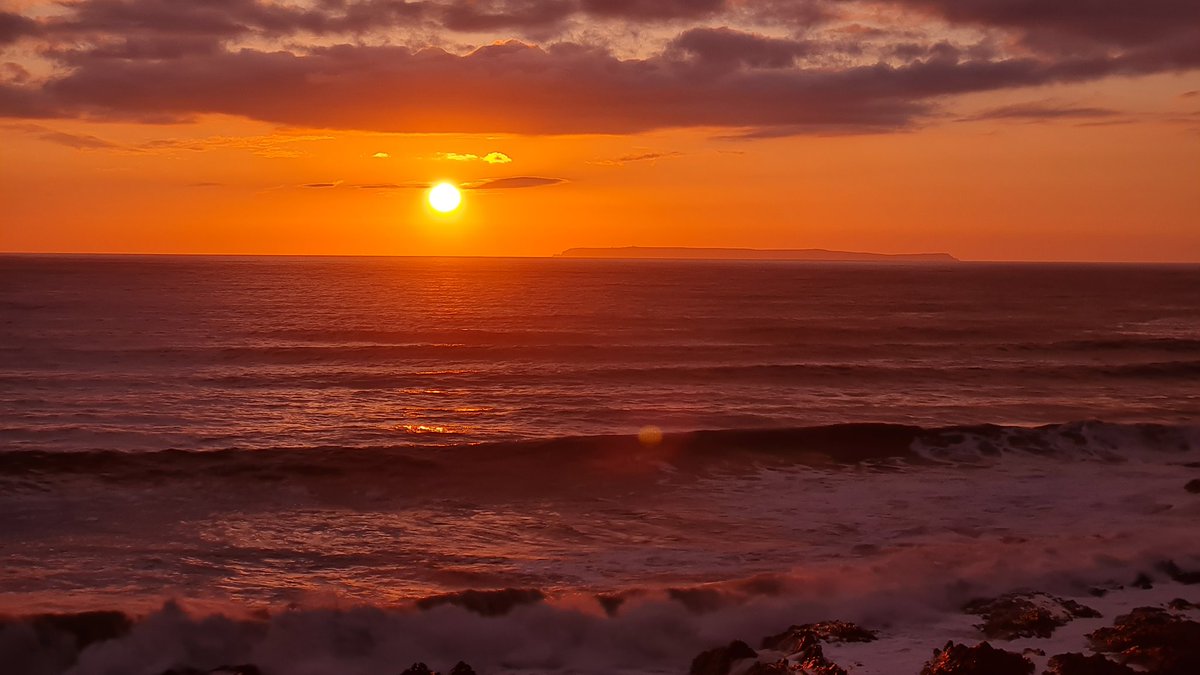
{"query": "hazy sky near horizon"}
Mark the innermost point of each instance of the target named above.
(989, 129)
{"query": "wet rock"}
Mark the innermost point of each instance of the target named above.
(1180, 604)
(802, 644)
(1078, 664)
(1151, 637)
(1182, 576)
(1143, 582)
(982, 659)
(793, 639)
(1193, 486)
(720, 661)
(461, 668)
(1013, 616)
(485, 603)
(780, 667)
(418, 669)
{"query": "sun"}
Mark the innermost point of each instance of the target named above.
(444, 198)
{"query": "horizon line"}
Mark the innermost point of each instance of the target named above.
(558, 256)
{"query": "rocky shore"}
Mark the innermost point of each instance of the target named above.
(1119, 629)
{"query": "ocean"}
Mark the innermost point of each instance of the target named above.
(310, 461)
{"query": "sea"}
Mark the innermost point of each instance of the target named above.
(336, 465)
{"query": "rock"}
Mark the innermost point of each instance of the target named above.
(720, 661)
(802, 644)
(1013, 616)
(982, 659)
(1162, 642)
(1193, 486)
(1182, 576)
(780, 667)
(1143, 582)
(485, 603)
(792, 639)
(1181, 604)
(418, 669)
(461, 668)
(1078, 664)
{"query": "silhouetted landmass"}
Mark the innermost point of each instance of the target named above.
(687, 253)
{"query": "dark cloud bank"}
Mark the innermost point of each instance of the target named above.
(158, 60)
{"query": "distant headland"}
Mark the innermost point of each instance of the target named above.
(688, 253)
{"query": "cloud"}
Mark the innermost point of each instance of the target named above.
(732, 48)
(395, 186)
(138, 60)
(1040, 111)
(380, 155)
(515, 182)
(15, 26)
(490, 158)
(636, 157)
(269, 145)
(77, 141)
(320, 185)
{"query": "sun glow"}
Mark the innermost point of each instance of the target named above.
(444, 198)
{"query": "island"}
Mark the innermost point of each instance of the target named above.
(689, 253)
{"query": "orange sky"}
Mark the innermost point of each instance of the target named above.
(99, 156)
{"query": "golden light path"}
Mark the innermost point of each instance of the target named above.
(444, 198)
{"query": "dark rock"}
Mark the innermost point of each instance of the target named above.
(1181, 604)
(1182, 576)
(485, 603)
(802, 644)
(982, 659)
(719, 661)
(1078, 664)
(418, 669)
(793, 639)
(840, 631)
(1143, 582)
(780, 667)
(1013, 616)
(461, 668)
(1162, 642)
(1193, 486)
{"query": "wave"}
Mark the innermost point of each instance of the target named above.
(911, 605)
(829, 447)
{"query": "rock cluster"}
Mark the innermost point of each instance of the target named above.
(1013, 616)
(797, 651)
(1160, 641)
(982, 659)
